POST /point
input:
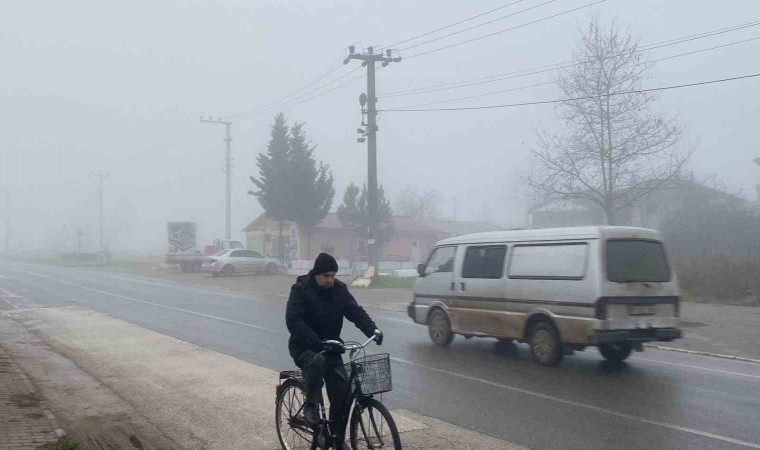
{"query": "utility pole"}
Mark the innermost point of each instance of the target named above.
(369, 58)
(7, 220)
(757, 186)
(227, 171)
(79, 240)
(100, 176)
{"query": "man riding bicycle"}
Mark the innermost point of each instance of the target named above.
(316, 307)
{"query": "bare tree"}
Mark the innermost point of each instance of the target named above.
(420, 204)
(612, 148)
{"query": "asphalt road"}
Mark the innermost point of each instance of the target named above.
(655, 400)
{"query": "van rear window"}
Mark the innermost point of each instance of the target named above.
(636, 260)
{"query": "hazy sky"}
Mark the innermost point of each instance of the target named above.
(119, 87)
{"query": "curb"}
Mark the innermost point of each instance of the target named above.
(695, 352)
(30, 387)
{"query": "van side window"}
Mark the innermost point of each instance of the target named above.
(484, 261)
(549, 261)
(442, 260)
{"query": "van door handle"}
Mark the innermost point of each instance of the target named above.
(453, 285)
(462, 287)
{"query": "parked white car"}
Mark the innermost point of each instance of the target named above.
(230, 262)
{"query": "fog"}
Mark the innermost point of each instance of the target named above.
(118, 87)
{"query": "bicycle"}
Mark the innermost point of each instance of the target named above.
(369, 418)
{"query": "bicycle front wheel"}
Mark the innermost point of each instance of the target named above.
(292, 430)
(372, 427)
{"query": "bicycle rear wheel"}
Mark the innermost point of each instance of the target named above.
(372, 427)
(292, 430)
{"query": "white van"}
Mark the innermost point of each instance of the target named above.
(559, 290)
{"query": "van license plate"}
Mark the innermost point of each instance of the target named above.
(642, 310)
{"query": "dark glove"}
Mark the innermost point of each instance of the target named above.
(334, 349)
(315, 344)
(379, 338)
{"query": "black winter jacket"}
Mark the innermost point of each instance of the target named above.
(314, 311)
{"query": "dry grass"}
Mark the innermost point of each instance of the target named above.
(720, 279)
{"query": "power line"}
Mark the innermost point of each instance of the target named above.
(589, 97)
(290, 105)
(504, 30)
(332, 71)
(329, 83)
(454, 24)
(302, 98)
(476, 26)
(552, 82)
(557, 66)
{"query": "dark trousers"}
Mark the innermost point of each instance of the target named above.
(317, 367)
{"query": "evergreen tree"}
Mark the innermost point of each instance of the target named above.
(272, 186)
(311, 189)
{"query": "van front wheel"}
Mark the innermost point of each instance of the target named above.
(615, 352)
(439, 328)
(544, 344)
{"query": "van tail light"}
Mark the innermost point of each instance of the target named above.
(601, 308)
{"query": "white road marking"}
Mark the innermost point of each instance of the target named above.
(405, 322)
(157, 305)
(8, 294)
(584, 405)
(196, 288)
(694, 352)
(9, 303)
(687, 366)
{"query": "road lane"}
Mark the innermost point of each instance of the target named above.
(660, 400)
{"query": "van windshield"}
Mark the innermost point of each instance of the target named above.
(636, 260)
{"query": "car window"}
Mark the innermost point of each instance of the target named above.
(636, 260)
(484, 261)
(238, 254)
(256, 254)
(442, 260)
(549, 261)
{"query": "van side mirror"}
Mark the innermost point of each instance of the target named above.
(421, 270)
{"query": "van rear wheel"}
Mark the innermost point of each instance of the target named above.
(617, 352)
(545, 345)
(439, 328)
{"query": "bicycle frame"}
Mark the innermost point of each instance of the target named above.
(354, 396)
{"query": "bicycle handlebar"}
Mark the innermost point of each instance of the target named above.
(351, 346)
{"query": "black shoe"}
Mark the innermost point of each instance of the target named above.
(311, 414)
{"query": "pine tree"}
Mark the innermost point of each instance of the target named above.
(273, 190)
(311, 189)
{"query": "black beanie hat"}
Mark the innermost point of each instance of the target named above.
(324, 263)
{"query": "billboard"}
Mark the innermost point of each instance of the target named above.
(181, 236)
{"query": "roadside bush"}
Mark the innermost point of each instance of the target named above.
(720, 279)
